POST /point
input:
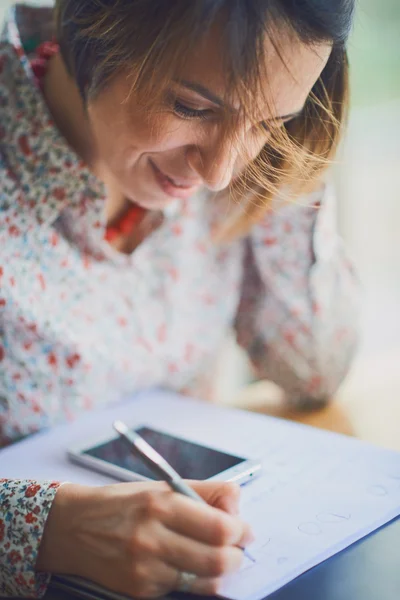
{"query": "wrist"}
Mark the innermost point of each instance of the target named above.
(59, 547)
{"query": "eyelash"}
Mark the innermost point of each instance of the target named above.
(189, 113)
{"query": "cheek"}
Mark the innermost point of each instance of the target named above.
(253, 148)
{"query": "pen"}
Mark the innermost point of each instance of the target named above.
(159, 466)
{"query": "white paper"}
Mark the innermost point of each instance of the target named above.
(319, 491)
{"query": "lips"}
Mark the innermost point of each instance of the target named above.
(174, 187)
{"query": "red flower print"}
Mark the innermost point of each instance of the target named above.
(32, 490)
(42, 281)
(316, 308)
(14, 231)
(2, 529)
(24, 145)
(59, 194)
(189, 352)
(177, 229)
(2, 353)
(86, 262)
(201, 247)
(162, 333)
(32, 328)
(20, 580)
(145, 344)
(14, 557)
(290, 337)
(288, 228)
(53, 485)
(52, 359)
(30, 518)
(54, 239)
(270, 241)
(1, 271)
(2, 303)
(209, 299)
(72, 360)
(173, 271)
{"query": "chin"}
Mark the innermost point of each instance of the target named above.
(148, 200)
(153, 203)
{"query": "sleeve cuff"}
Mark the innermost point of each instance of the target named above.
(24, 508)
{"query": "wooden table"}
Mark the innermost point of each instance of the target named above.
(264, 398)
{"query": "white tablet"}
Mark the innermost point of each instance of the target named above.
(190, 459)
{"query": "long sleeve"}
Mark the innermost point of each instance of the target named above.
(298, 314)
(24, 508)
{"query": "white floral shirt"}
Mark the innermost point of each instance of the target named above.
(82, 325)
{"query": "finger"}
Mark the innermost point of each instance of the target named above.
(195, 557)
(204, 523)
(152, 579)
(224, 495)
(203, 586)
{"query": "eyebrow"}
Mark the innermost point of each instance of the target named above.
(209, 95)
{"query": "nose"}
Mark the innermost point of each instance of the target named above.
(214, 161)
(217, 160)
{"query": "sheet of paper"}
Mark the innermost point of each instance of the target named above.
(319, 491)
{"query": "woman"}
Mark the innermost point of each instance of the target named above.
(161, 181)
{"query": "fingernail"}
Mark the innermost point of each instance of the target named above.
(232, 507)
(249, 538)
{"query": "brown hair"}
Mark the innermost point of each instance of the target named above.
(150, 40)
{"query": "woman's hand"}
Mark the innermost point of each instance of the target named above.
(136, 538)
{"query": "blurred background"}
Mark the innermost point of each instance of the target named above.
(367, 174)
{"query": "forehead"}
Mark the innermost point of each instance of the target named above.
(288, 71)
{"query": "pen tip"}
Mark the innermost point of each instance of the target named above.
(249, 556)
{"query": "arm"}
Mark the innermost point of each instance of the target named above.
(298, 314)
(24, 508)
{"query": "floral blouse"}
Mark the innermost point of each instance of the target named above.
(82, 325)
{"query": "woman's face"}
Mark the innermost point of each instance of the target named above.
(153, 165)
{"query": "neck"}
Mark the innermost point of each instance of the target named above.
(68, 111)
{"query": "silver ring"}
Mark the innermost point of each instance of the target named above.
(185, 581)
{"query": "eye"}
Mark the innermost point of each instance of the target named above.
(189, 113)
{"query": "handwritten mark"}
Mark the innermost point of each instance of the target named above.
(378, 490)
(264, 548)
(310, 528)
(332, 518)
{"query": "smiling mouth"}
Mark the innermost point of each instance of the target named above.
(172, 181)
